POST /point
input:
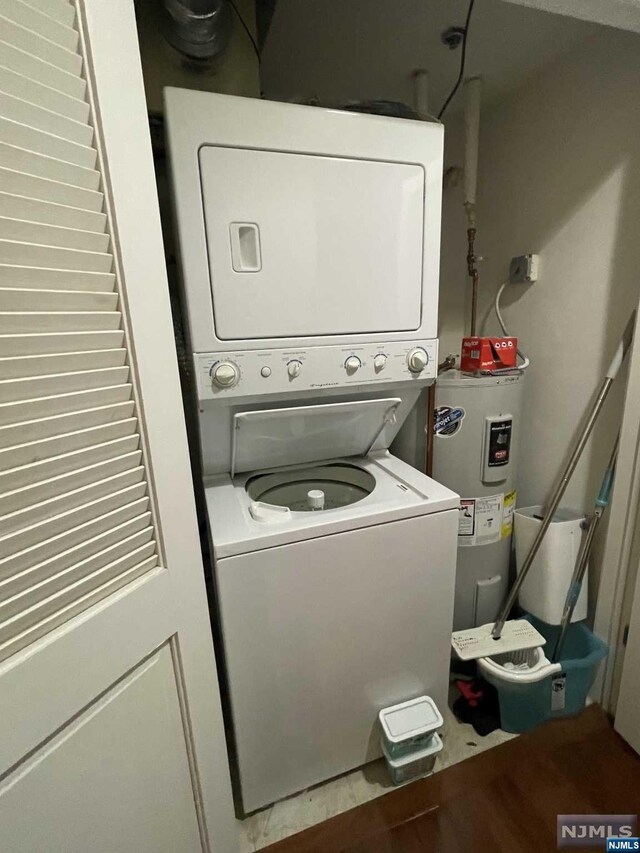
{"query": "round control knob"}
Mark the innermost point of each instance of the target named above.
(379, 362)
(417, 360)
(265, 371)
(225, 374)
(352, 364)
(293, 368)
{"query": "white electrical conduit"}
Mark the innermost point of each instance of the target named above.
(473, 91)
(525, 360)
(421, 91)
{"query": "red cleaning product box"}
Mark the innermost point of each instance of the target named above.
(488, 354)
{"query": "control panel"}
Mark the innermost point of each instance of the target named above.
(255, 372)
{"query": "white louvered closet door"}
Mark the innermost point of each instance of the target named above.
(110, 728)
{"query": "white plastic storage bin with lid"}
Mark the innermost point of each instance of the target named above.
(409, 725)
(413, 765)
(544, 592)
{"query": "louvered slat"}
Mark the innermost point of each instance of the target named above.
(40, 491)
(19, 571)
(35, 451)
(45, 166)
(42, 24)
(20, 540)
(137, 561)
(42, 95)
(46, 469)
(15, 275)
(42, 48)
(18, 299)
(38, 625)
(48, 385)
(24, 231)
(76, 520)
(40, 141)
(128, 551)
(38, 117)
(50, 321)
(46, 550)
(37, 68)
(48, 509)
(60, 10)
(24, 410)
(39, 365)
(38, 212)
(57, 343)
(33, 186)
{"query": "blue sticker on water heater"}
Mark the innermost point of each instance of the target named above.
(447, 420)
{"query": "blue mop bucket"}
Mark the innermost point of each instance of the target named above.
(532, 690)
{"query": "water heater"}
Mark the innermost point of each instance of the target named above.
(477, 425)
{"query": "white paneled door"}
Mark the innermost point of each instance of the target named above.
(627, 721)
(111, 735)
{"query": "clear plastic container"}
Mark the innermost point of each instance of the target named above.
(409, 725)
(415, 764)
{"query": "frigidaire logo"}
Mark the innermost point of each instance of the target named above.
(593, 830)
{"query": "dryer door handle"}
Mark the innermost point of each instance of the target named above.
(245, 247)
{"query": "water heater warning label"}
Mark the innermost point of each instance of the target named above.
(484, 520)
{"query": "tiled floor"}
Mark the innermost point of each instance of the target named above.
(338, 795)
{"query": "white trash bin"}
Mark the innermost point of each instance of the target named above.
(544, 592)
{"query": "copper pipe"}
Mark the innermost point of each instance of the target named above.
(448, 364)
(472, 268)
(431, 413)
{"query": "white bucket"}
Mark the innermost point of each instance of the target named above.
(544, 592)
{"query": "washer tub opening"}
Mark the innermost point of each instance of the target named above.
(342, 485)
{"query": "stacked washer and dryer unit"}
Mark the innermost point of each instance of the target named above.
(309, 246)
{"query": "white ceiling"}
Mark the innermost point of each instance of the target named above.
(339, 50)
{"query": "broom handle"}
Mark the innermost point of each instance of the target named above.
(552, 506)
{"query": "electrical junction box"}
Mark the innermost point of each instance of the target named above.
(485, 355)
(523, 269)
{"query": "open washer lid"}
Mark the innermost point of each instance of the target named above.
(270, 438)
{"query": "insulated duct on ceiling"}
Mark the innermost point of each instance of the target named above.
(198, 29)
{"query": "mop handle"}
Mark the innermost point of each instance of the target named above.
(552, 506)
(575, 587)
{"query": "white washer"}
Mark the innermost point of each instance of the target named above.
(328, 615)
(309, 245)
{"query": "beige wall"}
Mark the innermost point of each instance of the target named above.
(559, 175)
(236, 74)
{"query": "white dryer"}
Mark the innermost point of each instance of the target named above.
(309, 254)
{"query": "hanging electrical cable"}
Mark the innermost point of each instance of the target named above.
(246, 29)
(501, 323)
(463, 59)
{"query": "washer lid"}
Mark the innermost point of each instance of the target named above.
(288, 436)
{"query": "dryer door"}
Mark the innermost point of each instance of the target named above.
(302, 245)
